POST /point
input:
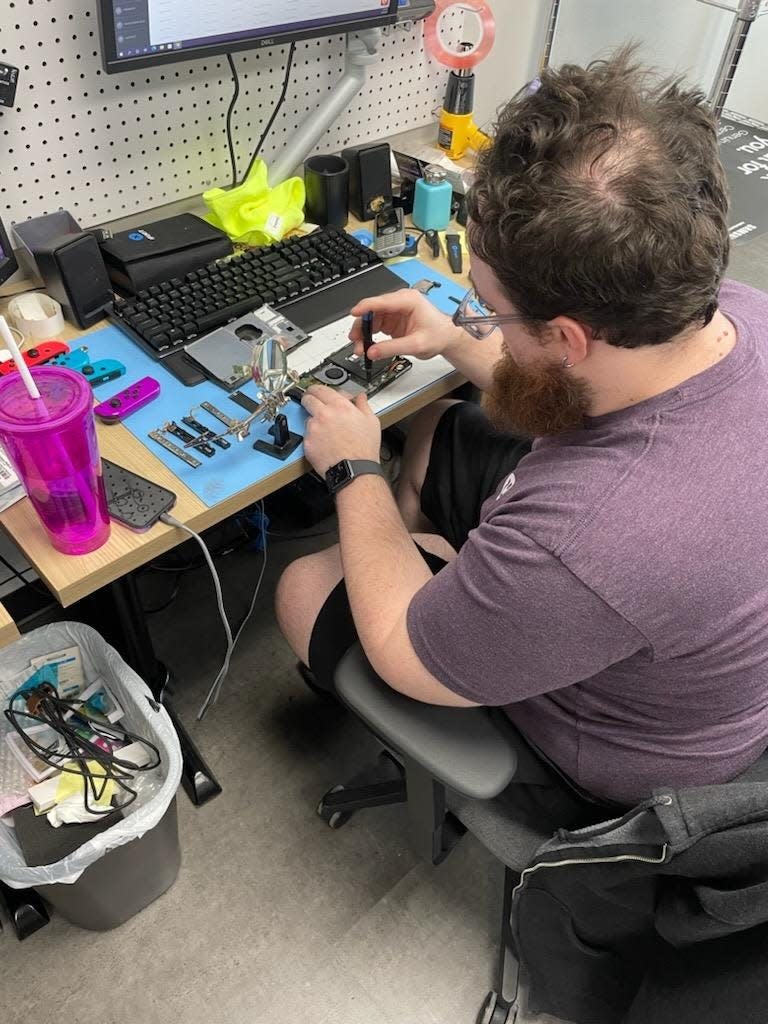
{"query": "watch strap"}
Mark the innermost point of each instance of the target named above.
(357, 467)
(360, 467)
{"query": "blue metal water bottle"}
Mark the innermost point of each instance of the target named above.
(432, 200)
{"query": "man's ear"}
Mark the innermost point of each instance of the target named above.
(570, 337)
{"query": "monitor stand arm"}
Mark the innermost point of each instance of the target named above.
(362, 50)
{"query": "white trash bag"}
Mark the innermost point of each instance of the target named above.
(142, 716)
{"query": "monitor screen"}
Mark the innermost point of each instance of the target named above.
(142, 33)
(8, 263)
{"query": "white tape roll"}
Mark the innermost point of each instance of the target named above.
(36, 315)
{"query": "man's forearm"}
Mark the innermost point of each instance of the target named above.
(473, 358)
(382, 566)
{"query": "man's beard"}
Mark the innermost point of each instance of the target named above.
(531, 402)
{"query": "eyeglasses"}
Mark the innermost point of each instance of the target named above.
(477, 319)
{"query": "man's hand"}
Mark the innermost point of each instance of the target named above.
(415, 326)
(339, 428)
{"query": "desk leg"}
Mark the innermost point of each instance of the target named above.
(197, 778)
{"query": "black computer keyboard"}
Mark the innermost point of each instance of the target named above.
(167, 316)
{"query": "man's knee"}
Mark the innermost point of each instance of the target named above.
(301, 592)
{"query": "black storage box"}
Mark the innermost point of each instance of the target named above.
(173, 247)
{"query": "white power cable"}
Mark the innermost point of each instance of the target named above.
(221, 675)
(215, 690)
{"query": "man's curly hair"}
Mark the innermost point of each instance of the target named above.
(603, 198)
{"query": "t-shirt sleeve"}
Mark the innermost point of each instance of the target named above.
(506, 620)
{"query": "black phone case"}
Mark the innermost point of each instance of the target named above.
(132, 500)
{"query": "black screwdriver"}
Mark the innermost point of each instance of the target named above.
(367, 328)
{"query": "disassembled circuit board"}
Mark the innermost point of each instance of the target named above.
(346, 371)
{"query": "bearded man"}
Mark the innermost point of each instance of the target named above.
(586, 548)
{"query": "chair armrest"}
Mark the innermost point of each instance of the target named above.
(463, 748)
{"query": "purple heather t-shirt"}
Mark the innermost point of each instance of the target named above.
(614, 597)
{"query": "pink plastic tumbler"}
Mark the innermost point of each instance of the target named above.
(52, 445)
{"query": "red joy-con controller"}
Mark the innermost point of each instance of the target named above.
(43, 352)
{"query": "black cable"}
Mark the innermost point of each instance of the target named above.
(226, 549)
(275, 112)
(233, 101)
(45, 707)
(165, 604)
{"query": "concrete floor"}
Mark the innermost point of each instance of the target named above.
(275, 917)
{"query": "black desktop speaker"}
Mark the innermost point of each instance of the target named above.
(73, 273)
(370, 179)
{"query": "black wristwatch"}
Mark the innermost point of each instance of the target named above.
(347, 470)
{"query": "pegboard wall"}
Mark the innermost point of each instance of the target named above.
(108, 146)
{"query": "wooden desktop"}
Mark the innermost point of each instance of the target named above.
(71, 578)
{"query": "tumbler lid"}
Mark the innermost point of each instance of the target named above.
(65, 395)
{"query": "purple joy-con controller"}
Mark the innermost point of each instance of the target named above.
(116, 408)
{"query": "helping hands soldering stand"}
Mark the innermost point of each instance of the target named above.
(285, 440)
(274, 380)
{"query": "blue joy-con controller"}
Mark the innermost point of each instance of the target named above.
(74, 360)
(102, 371)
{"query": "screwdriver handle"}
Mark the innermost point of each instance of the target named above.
(367, 325)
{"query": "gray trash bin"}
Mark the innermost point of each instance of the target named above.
(123, 881)
(123, 869)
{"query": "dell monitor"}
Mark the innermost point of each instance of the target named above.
(8, 264)
(144, 33)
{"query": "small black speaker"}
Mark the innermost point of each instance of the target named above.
(73, 272)
(370, 179)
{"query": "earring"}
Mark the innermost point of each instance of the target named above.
(566, 364)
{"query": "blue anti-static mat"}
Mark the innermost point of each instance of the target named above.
(229, 471)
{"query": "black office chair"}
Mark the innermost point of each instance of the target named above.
(448, 764)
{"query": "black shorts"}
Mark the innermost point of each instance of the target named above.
(467, 463)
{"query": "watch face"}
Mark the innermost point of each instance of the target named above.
(338, 475)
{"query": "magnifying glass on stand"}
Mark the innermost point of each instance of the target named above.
(273, 379)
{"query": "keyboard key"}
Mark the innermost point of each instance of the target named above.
(287, 276)
(159, 328)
